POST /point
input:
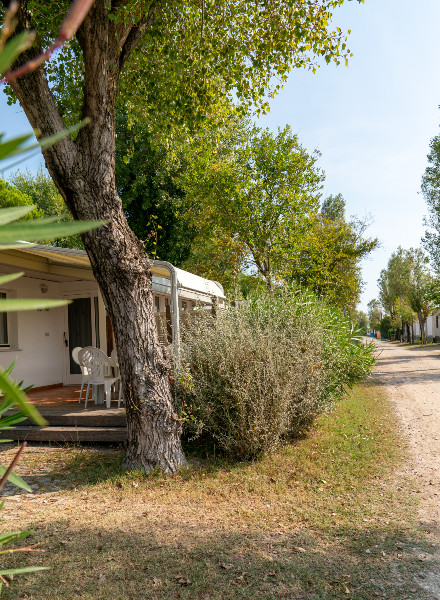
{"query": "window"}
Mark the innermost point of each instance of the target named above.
(156, 304)
(4, 339)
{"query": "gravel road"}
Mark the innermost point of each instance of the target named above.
(412, 379)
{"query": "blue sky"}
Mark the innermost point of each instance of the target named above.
(372, 121)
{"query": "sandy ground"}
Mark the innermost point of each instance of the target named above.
(412, 379)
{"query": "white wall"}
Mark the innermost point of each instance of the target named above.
(431, 329)
(38, 348)
(36, 337)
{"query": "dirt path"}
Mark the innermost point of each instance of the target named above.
(412, 378)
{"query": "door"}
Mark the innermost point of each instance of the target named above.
(78, 331)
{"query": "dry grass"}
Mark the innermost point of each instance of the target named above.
(326, 518)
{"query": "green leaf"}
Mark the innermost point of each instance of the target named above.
(17, 304)
(12, 147)
(11, 277)
(23, 570)
(53, 139)
(7, 215)
(15, 479)
(6, 538)
(10, 420)
(12, 392)
(43, 229)
(12, 49)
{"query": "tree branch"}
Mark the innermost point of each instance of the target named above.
(136, 33)
(73, 20)
(36, 99)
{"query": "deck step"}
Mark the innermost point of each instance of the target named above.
(83, 419)
(65, 434)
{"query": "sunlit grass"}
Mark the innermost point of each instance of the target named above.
(327, 517)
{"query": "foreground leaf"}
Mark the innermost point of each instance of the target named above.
(43, 229)
(18, 397)
(18, 304)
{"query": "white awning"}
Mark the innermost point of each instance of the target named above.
(188, 284)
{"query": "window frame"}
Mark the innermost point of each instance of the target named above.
(5, 317)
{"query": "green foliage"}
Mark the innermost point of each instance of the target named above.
(431, 192)
(394, 281)
(153, 202)
(196, 56)
(12, 196)
(254, 199)
(333, 208)
(13, 396)
(258, 189)
(385, 327)
(43, 193)
(362, 321)
(406, 284)
(374, 314)
(327, 258)
(262, 370)
(16, 205)
(403, 314)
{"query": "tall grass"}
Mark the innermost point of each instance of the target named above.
(261, 371)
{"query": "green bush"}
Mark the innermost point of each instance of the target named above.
(385, 327)
(259, 372)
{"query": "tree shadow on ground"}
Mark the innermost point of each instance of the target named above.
(91, 466)
(167, 560)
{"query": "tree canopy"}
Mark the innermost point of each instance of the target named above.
(146, 180)
(177, 62)
(431, 192)
(191, 58)
(405, 288)
(43, 193)
(13, 196)
(328, 257)
(261, 192)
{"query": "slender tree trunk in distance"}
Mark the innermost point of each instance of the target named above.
(84, 172)
(422, 323)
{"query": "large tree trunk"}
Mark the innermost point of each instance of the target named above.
(84, 172)
(125, 279)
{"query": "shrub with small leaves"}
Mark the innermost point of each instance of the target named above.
(261, 371)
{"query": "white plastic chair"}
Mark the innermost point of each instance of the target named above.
(114, 368)
(96, 362)
(85, 375)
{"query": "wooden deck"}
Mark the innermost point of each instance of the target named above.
(69, 421)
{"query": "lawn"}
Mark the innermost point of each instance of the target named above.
(328, 517)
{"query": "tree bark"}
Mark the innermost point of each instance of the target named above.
(84, 172)
(422, 323)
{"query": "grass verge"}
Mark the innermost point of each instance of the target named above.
(328, 517)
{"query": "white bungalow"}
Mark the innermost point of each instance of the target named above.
(432, 327)
(42, 340)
